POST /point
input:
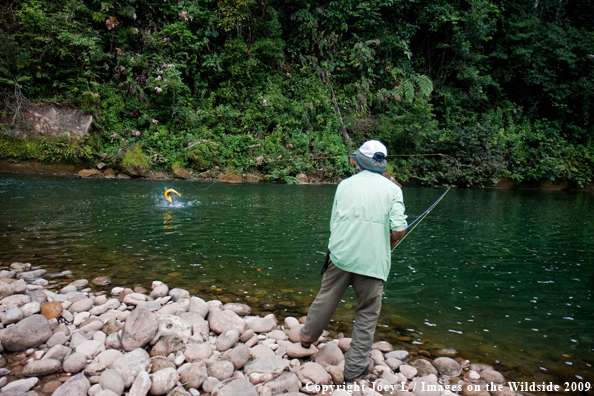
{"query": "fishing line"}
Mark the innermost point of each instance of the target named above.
(420, 218)
(211, 184)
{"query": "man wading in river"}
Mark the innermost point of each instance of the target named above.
(367, 219)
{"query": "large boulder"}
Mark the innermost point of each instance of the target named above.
(141, 326)
(231, 178)
(28, 333)
(136, 171)
(54, 119)
(85, 173)
(302, 178)
(182, 173)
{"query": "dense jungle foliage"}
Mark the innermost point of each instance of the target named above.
(507, 87)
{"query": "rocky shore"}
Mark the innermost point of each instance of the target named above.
(79, 339)
(101, 171)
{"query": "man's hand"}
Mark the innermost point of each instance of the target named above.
(395, 236)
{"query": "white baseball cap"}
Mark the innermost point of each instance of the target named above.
(371, 147)
(372, 156)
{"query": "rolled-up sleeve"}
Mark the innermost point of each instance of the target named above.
(397, 216)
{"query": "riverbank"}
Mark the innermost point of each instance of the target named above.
(73, 337)
(83, 170)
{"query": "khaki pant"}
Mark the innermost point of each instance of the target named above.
(369, 292)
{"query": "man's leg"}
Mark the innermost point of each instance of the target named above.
(369, 291)
(334, 283)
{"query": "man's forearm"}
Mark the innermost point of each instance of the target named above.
(395, 236)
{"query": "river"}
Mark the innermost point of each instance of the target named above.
(503, 276)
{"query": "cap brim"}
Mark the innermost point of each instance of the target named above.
(378, 166)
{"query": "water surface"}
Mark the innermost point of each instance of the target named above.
(504, 277)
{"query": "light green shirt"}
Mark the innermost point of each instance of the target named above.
(366, 207)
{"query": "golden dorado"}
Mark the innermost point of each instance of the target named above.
(168, 197)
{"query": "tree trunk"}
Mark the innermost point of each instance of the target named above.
(345, 134)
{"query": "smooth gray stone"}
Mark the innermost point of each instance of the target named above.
(75, 386)
(112, 380)
(234, 387)
(38, 368)
(141, 326)
(31, 274)
(11, 316)
(28, 333)
(131, 364)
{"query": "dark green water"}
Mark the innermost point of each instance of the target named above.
(505, 277)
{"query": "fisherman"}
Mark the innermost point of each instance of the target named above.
(367, 220)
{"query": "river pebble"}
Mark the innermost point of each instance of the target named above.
(74, 363)
(197, 346)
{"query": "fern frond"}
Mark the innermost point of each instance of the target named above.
(409, 91)
(425, 85)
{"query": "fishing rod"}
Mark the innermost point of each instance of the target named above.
(420, 218)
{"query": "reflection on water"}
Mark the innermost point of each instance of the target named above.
(502, 275)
